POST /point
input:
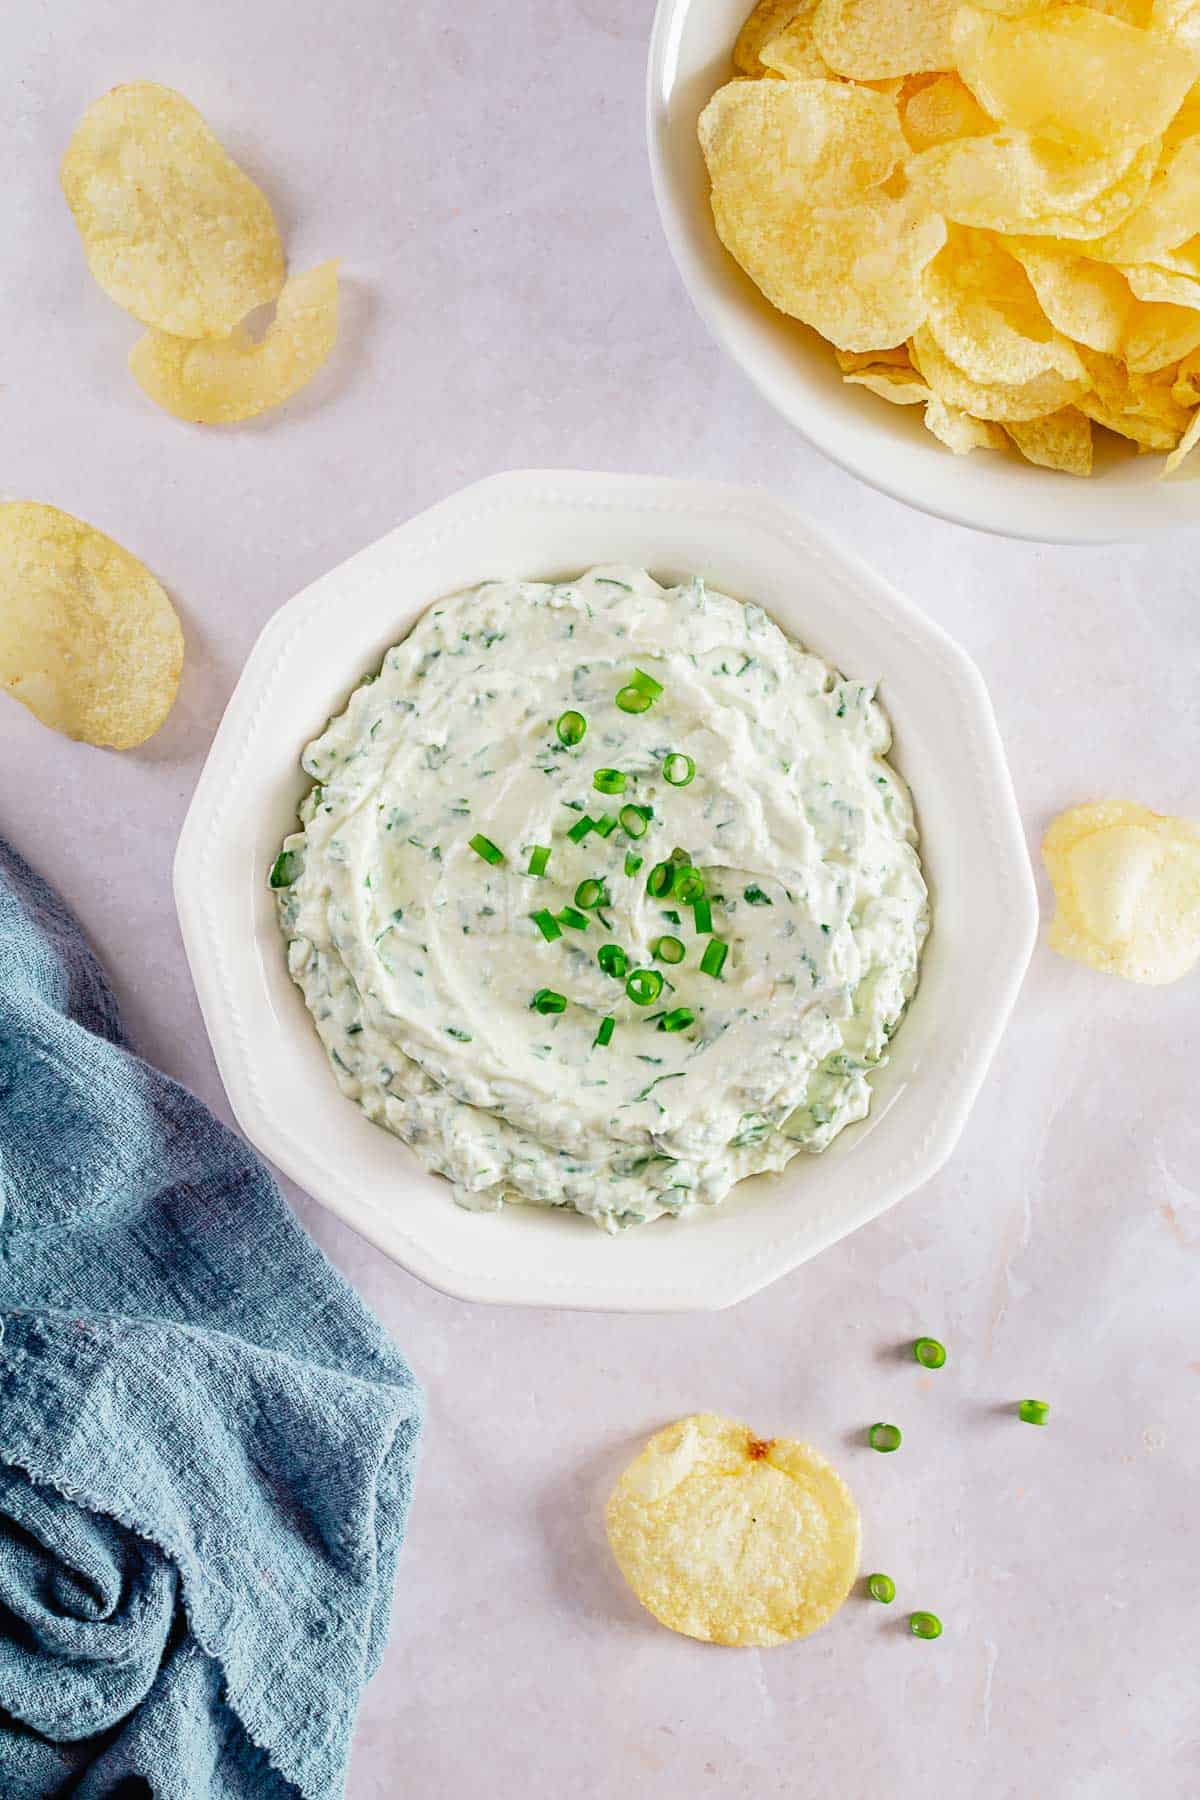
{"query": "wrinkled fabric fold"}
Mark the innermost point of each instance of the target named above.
(206, 1442)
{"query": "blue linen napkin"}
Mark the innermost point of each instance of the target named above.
(206, 1442)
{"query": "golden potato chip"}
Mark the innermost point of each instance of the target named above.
(1158, 336)
(985, 315)
(88, 640)
(1139, 407)
(1003, 402)
(1073, 76)
(220, 383)
(1185, 389)
(1165, 217)
(172, 229)
(1062, 441)
(1127, 883)
(793, 54)
(778, 147)
(851, 361)
(767, 19)
(731, 1538)
(1177, 19)
(1185, 446)
(1089, 301)
(903, 387)
(872, 39)
(959, 430)
(1150, 283)
(940, 111)
(1007, 181)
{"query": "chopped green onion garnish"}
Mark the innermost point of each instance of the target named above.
(646, 684)
(287, 867)
(576, 920)
(644, 986)
(590, 893)
(1034, 1412)
(539, 858)
(571, 729)
(678, 768)
(929, 1353)
(547, 924)
(659, 880)
(702, 916)
(925, 1625)
(609, 781)
(634, 700)
(668, 950)
(881, 1588)
(581, 828)
(613, 960)
(713, 960)
(632, 863)
(604, 1034)
(755, 896)
(634, 820)
(605, 825)
(688, 885)
(885, 1437)
(484, 847)
(678, 1020)
(547, 1001)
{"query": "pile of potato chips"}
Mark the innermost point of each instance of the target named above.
(991, 211)
(180, 237)
(1127, 883)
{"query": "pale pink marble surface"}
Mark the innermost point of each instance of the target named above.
(481, 171)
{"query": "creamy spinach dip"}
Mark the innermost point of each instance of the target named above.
(605, 895)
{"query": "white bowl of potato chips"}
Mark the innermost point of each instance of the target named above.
(987, 215)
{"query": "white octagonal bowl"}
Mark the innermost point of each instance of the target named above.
(543, 525)
(794, 369)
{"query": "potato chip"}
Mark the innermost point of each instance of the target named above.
(89, 642)
(872, 39)
(1073, 76)
(851, 361)
(172, 229)
(1127, 883)
(1185, 389)
(960, 431)
(223, 382)
(768, 18)
(1139, 407)
(1158, 336)
(1185, 446)
(985, 315)
(903, 387)
(1177, 19)
(1148, 282)
(1003, 402)
(1062, 441)
(1007, 181)
(940, 111)
(1089, 301)
(1165, 217)
(793, 54)
(778, 147)
(731, 1538)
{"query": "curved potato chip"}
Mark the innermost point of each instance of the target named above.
(89, 642)
(1185, 446)
(767, 19)
(960, 431)
(1150, 283)
(172, 229)
(1167, 215)
(940, 111)
(793, 54)
(1062, 441)
(1089, 301)
(985, 315)
(221, 383)
(1127, 883)
(1073, 76)
(1177, 19)
(1002, 402)
(1185, 389)
(1158, 335)
(1139, 407)
(732, 1539)
(851, 361)
(903, 387)
(780, 145)
(872, 39)
(1009, 182)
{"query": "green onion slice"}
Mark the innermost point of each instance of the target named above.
(581, 828)
(604, 1034)
(632, 863)
(754, 896)
(547, 1001)
(677, 1020)
(644, 986)
(609, 781)
(713, 960)
(688, 885)
(885, 1437)
(881, 1588)
(678, 768)
(645, 684)
(929, 1353)
(613, 961)
(659, 880)
(484, 847)
(547, 924)
(576, 920)
(634, 700)
(702, 916)
(634, 820)
(539, 858)
(287, 867)
(925, 1625)
(571, 729)
(605, 825)
(667, 950)
(1034, 1412)
(590, 894)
